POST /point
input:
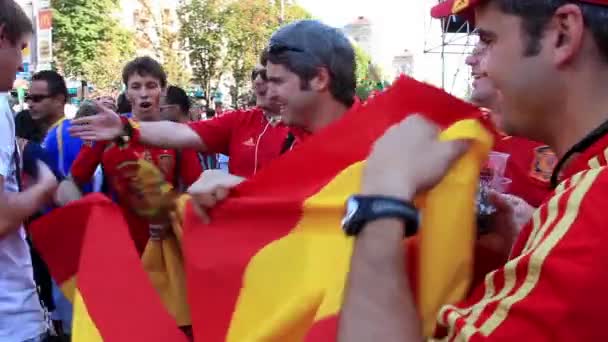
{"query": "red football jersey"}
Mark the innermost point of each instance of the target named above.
(119, 167)
(529, 167)
(246, 136)
(553, 286)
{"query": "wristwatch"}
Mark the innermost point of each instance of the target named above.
(360, 210)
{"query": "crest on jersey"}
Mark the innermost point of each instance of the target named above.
(459, 5)
(543, 164)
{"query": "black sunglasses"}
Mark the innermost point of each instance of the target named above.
(36, 98)
(261, 73)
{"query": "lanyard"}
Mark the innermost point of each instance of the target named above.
(580, 147)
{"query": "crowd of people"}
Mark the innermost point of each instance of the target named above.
(539, 70)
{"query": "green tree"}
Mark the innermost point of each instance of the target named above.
(156, 33)
(104, 71)
(249, 25)
(369, 76)
(203, 30)
(79, 29)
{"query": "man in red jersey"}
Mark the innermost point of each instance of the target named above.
(549, 60)
(145, 81)
(530, 163)
(251, 138)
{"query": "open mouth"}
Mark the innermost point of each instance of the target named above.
(145, 105)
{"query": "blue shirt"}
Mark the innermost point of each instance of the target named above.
(63, 149)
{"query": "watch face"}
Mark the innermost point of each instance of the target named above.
(351, 209)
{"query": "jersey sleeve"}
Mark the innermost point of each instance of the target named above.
(86, 162)
(216, 133)
(555, 290)
(191, 168)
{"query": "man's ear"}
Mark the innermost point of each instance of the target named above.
(322, 80)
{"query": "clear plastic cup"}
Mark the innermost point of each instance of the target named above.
(502, 184)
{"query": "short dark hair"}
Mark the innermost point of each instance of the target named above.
(54, 81)
(123, 104)
(536, 14)
(28, 128)
(14, 22)
(177, 96)
(304, 46)
(144, 66)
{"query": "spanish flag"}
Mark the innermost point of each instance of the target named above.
(273, 264)
(91, 255)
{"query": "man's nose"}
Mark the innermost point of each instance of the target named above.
(471, 60)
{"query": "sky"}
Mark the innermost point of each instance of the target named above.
(400, 25)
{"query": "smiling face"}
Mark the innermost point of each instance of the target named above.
(144, 93)
(527, 82)
(295, 101)
(483, 91)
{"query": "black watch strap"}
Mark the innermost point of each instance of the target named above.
(363, 209)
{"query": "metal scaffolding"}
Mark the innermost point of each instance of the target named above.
(455, 39)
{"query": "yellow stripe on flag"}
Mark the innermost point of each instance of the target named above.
(300, 278)
(83, 328)
(447, 233)
(68, 288)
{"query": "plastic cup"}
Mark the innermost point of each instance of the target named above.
(502, 184)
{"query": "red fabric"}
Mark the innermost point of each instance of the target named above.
(115, 162)
(220, 252)
(558, 291)
(529, 167)
(117, 291)
(236, 134)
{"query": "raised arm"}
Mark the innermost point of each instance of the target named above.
(107, 125)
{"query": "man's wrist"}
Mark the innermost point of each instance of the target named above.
(404, 193)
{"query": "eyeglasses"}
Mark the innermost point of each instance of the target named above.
(37, 97)
(261, 73)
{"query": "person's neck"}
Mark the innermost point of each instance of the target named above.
(585, 109)
(325, 114)
(47, 124)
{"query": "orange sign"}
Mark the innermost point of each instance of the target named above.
(45, 19)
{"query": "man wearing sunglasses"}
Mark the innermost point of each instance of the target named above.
(46, 99)
(21, 314)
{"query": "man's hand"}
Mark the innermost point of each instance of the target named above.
(67, 192)
(212, 187)
(512, 213)
(409, 159)
(106, 125)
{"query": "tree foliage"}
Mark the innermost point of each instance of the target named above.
(84, 34)
(369, 76)
(249, 25)
(203, 29)
(158, 35)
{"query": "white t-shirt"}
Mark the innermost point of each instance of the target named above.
(21, 315)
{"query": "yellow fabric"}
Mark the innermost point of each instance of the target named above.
(163, 261)
(299, 279)
(447, 233)
(83, 328)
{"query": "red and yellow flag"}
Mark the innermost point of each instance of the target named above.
(273, 264)
(91, 255)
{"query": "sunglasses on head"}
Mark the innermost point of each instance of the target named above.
(36, 98)
(261, 73)
(277, 47)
